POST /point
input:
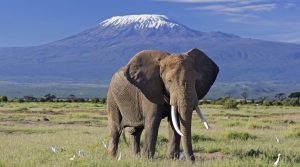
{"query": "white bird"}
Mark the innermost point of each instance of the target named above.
(104, 145)
(277, 161)
(277, 140)
(119, 157)
(54, 149)
(181, 156)
(81, 153)
(72, 158)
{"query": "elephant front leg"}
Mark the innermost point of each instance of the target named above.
(174, 142)
(151, 131)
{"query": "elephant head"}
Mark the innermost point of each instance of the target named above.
(184, 78)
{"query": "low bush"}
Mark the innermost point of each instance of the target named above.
(230, 104)
(3, 99)
(252, 153)
(267, 103)
(291, 102)
(161, 140)
(239, 135)
(95, 100)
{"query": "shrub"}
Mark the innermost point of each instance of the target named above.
(252, 153)
(221, 100)
(277, 103)
(239, 135)
(267, 103)
(103, 101)
(230, 104)
(3, 99)
(20, 100)
(294, 95)
(204, 102)
(161, 140)
(95, 100)
(291, 102)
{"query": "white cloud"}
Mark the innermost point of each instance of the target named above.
(289, 5)
(214, 1)
(238, 9)
(291, 37)
(231, 7)
(297, 40)
(199, 1)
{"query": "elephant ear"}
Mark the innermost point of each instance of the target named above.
(206, 71)
(143, 71)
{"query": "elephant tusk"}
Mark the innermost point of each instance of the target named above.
(174, 121)
(202, 117)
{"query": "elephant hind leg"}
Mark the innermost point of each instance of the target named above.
(136, 140)
(114, 119)
(114, 140)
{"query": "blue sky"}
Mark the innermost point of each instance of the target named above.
(34, 22)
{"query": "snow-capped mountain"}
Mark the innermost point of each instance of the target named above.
(140, 21)
(95, 54)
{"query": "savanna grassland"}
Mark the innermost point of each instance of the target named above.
(237, 137)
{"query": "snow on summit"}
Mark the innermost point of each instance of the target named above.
(140, 21)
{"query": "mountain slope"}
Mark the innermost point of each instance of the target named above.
(95, 54)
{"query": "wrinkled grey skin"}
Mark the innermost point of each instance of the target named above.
(140, 95)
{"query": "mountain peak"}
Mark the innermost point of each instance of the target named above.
(141, 21)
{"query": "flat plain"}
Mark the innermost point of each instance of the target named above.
(238, 137)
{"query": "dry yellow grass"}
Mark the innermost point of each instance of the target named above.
(244, 137)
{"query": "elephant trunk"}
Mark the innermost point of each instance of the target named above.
(185, 124)
(185, 101)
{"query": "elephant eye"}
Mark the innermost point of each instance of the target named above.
(170, 80)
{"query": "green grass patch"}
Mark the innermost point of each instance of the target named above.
(293, 132)
(233, 135)
(74, 126)
(198, 138)
(162, 140)
(25, 130)
(232, 124)
(253, 125)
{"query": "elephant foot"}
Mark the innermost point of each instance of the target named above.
(173, 155)
(148, 154)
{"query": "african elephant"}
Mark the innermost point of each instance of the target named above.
(154, 85)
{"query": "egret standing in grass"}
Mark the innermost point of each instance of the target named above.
(81, 153)
(72, 158)
(119, 157)
(103, 143)
(277, 140)
(277, 161)
(54, 149)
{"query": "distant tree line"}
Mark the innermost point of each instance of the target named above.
(280, 99)
(52, 98)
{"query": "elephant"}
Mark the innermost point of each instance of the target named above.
(153, 85)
